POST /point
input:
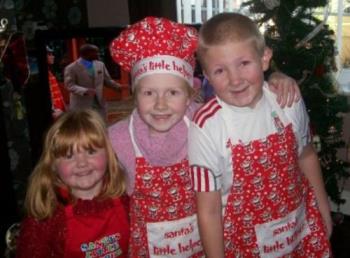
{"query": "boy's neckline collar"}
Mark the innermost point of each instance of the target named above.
(243, 109)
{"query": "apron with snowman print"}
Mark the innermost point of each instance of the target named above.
(271, 209)
(162, 210)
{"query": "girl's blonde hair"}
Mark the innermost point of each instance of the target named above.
(75, 129)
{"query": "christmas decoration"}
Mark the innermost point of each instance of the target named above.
(271, 4)
(319, 70)
(316, 29)
(3, 24)
(304, 48)
(317, 143)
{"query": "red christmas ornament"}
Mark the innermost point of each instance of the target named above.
(320, 70)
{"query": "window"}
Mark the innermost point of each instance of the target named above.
(198, 11)
(339, 21)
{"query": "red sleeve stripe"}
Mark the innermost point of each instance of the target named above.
(208, 115)
(204, 109)
(202, 179)
(198, 178)
(207, 112)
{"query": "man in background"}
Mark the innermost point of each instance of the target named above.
(85, 78)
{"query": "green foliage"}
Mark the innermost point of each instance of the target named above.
(311, 62)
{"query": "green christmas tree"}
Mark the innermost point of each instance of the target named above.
(304, 48)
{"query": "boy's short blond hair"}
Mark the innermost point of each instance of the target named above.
(229, 27)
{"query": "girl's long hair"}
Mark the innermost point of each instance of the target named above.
(82, 129)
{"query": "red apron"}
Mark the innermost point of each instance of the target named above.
(100, 231)
(163, 211)
(271, 209)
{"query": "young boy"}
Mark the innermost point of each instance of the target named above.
(259, 186)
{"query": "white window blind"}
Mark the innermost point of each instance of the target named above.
(198, 11)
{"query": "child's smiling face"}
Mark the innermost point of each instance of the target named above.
(83, 170)
(235, 70)
(162, 100)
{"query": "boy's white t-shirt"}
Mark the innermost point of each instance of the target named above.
(208, 136)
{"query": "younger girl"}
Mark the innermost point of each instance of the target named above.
(74, 198)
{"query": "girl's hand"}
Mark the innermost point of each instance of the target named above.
(285, 87)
